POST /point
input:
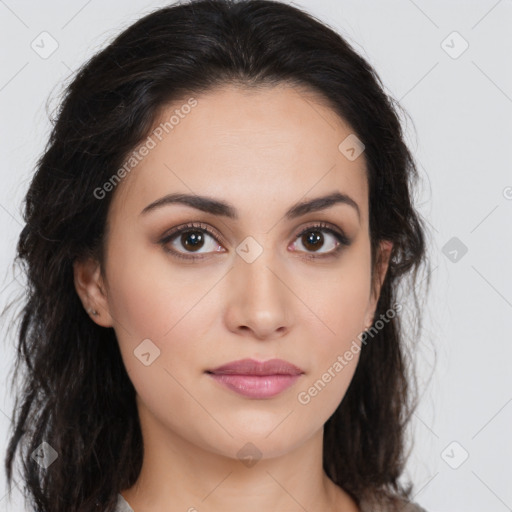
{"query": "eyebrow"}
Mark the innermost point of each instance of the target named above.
(218, 207)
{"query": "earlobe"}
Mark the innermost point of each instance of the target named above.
(91, 290)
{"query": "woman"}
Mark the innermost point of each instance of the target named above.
(214, 240)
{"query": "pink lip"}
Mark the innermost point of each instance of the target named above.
(257, 379)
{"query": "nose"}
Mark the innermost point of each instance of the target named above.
(259, 302)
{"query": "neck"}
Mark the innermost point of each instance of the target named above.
(178, 475)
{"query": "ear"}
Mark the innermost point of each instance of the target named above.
(91, 289)
(383, 257)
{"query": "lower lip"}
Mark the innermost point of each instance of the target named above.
(256, 386)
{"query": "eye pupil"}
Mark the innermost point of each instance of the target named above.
(311, 240)
(192, 240)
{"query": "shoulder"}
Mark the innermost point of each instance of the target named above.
(365, 506)
(409, 506)
(122, 504)
(396, 505)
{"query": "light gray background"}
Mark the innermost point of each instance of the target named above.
(461, 135)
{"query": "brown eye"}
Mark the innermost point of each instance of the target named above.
(315, 238)
(192, 240)
(184, 241)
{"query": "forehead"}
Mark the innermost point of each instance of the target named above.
(269, 146)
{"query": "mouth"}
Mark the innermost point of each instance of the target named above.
(255, 379)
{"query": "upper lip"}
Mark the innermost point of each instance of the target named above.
(253, 367)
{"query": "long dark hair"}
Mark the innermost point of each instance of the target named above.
(76, 395)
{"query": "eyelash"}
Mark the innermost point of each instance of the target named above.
(321, 226)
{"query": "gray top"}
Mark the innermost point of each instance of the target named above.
(123, 506)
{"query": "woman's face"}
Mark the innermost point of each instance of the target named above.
(258, 288)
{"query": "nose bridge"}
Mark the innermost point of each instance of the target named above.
(255, 261)
(261, 300)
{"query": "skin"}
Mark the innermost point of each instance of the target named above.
(262, 151)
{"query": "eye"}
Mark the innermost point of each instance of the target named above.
(184, 241)
(191, 237)
(313, 239)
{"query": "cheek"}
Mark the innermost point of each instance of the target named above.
(149, 296)
(340, 298)
(151, 299)
(340, 301)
